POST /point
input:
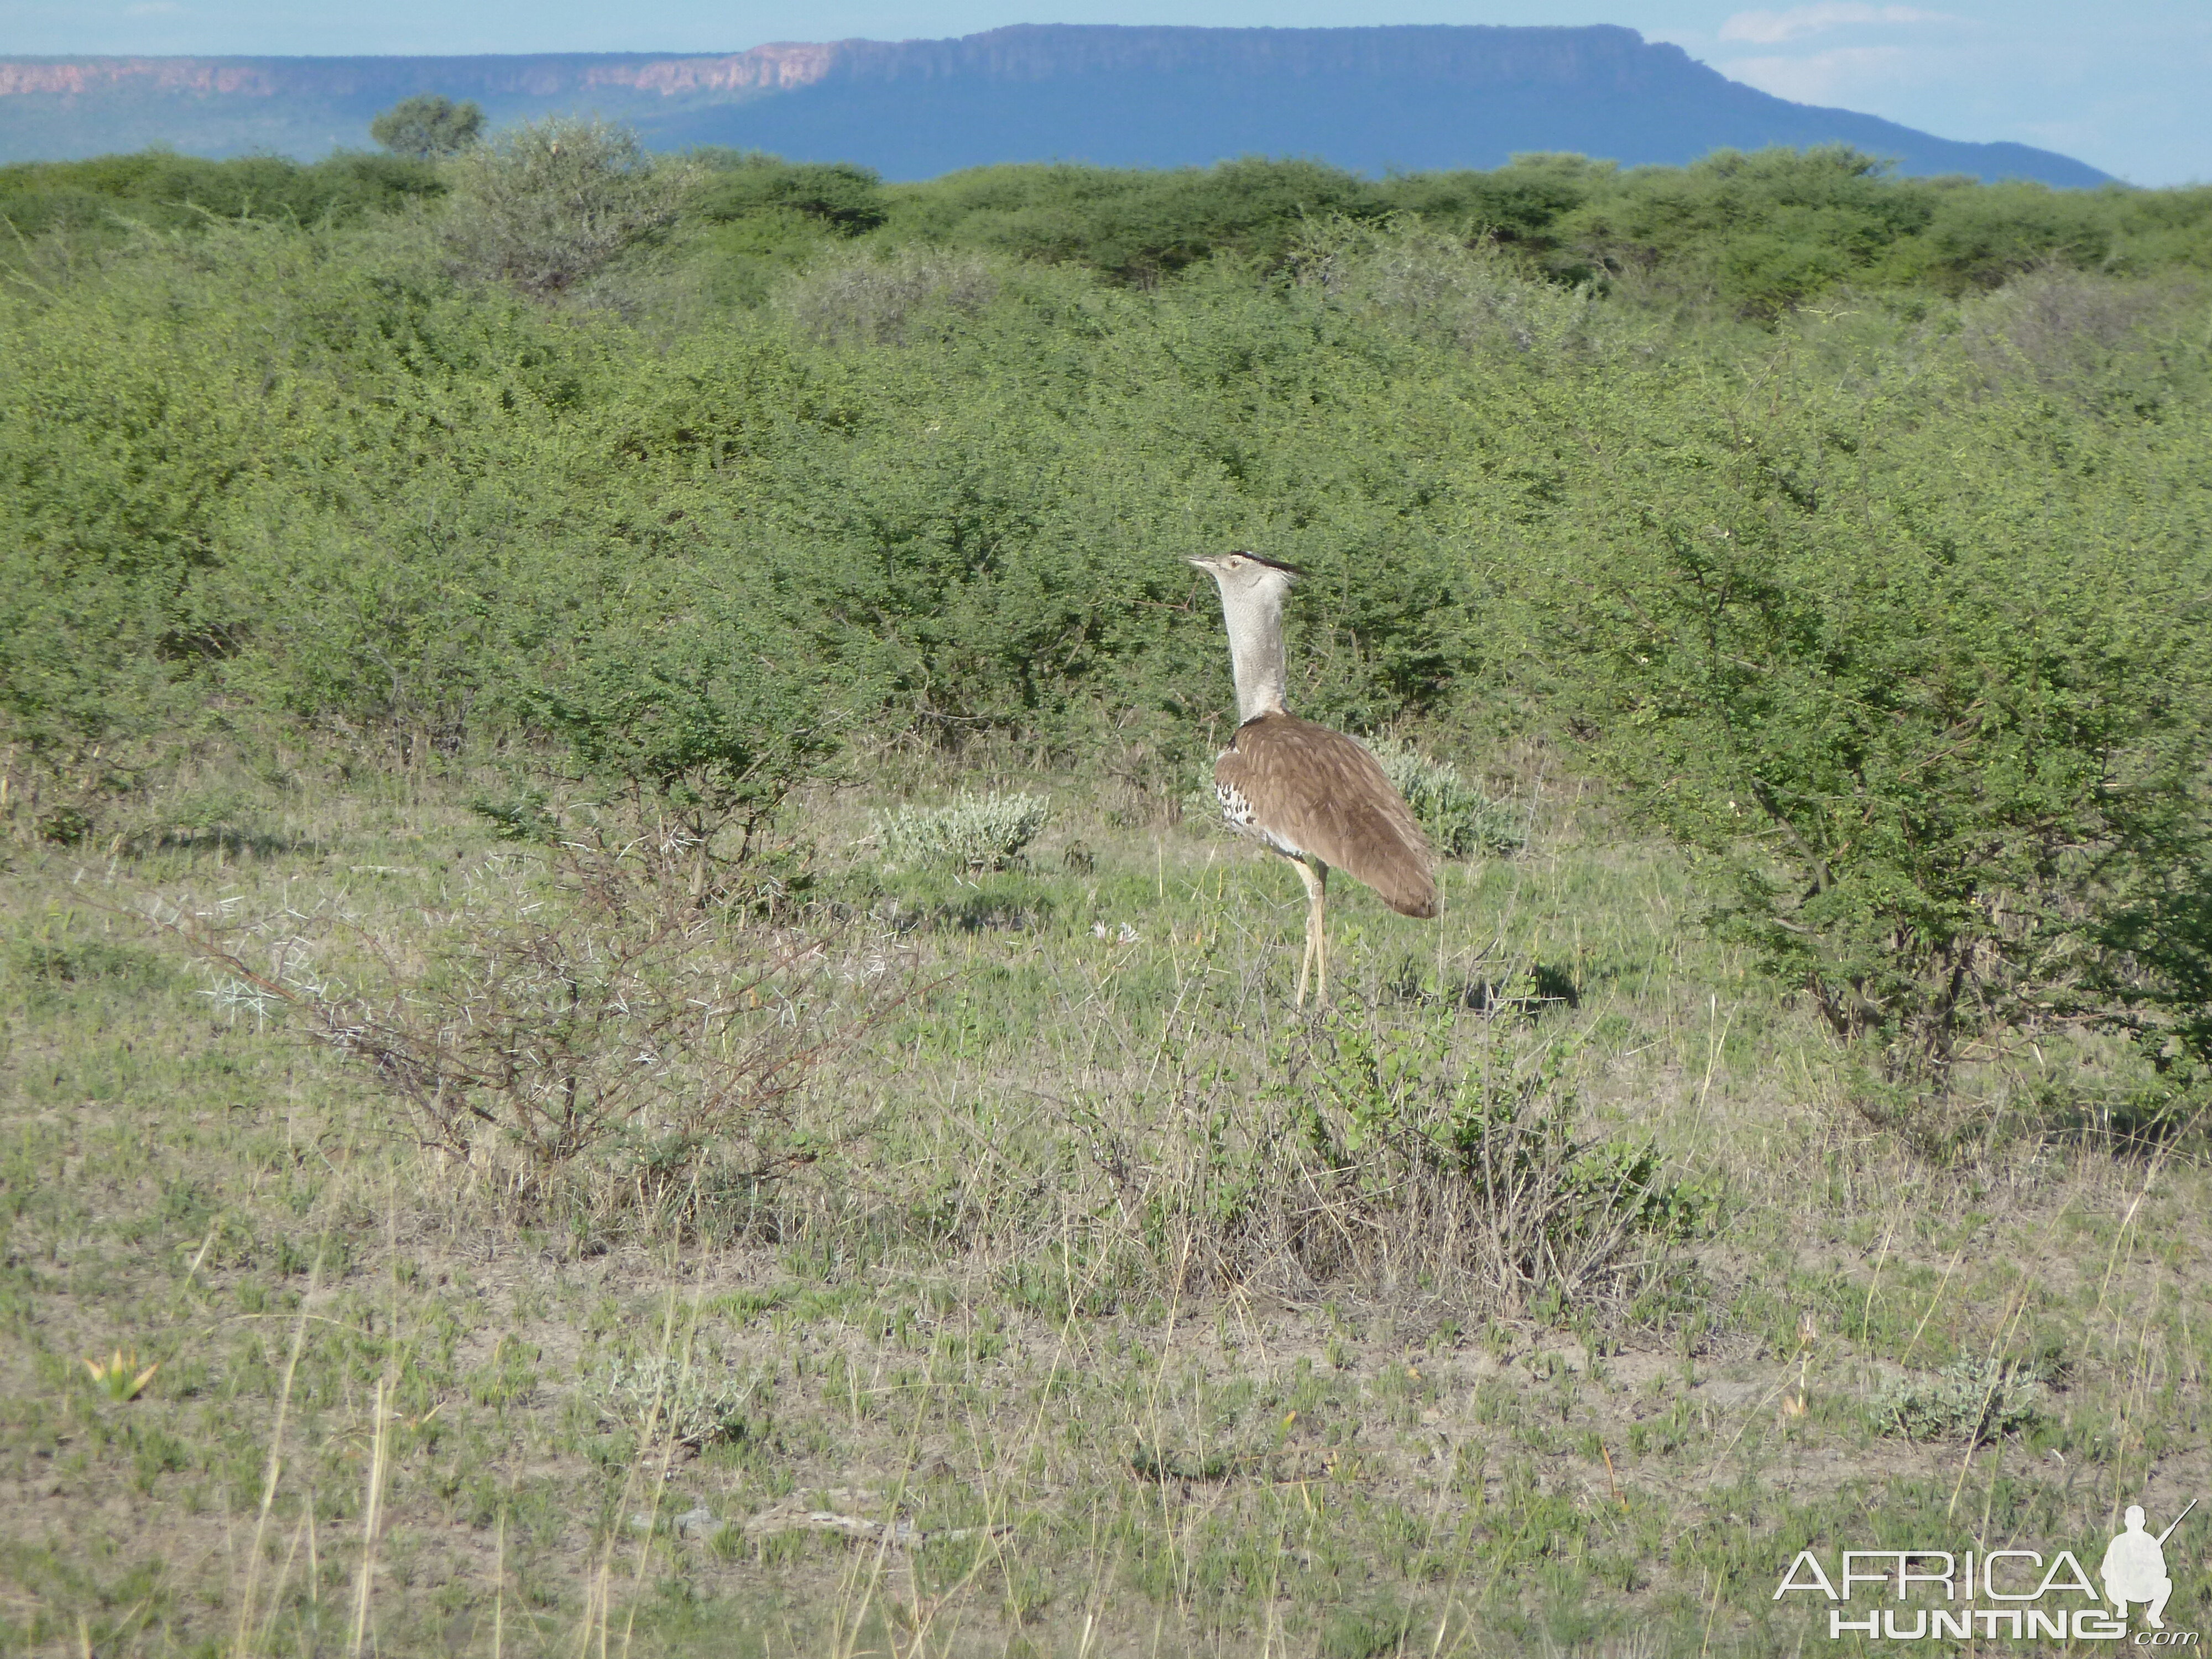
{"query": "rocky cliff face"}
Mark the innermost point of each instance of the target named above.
(764, 69)
(1415, 96)
(1472, 57)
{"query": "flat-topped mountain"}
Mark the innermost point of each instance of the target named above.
(1414, 97)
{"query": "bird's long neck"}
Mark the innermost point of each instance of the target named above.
(1255, 651)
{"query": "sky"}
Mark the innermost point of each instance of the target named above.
(2124, 85)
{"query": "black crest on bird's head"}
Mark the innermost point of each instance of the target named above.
(1244, 565)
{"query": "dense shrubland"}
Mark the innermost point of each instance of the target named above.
(1855, 527)
(599, 971)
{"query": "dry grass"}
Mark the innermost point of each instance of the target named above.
(1114, 1307)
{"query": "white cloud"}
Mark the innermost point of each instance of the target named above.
(1857, 75)
(1771, 29)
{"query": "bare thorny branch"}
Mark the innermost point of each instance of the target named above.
(616, 1022)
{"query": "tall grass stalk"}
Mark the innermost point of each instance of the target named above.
(371, 1515)
(273, 1471)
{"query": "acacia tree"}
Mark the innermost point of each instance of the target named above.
(1890, 689)
(428, 127)
(701, 711)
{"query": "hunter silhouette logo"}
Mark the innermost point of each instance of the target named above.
(2000, 1594)
(2135, 1567)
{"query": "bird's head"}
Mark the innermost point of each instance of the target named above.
(1243, 575)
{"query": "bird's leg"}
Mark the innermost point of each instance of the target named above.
(1316, 877)
(1305, 961)
(1321, 933)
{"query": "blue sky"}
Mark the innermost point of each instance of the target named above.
(2126, 85)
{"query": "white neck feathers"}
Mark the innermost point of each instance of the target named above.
(1254, 615)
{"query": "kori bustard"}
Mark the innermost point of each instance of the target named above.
(1311, 794)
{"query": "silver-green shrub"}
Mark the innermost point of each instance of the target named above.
(1437, 286)
(849, 299)
(1975, 1399)
(546, 204)
(975, 832)
(1459, 817)
(697, 1404)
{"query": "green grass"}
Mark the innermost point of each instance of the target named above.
(1042, 1293)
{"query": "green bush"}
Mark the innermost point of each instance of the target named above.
(848, 199)
(1444, 291)
(428, 127)
(122, 437)
(1520, 203)
(1134, 225)
(1490, 1131)
(1759, 232)
(1979, 238)
(2153, 931)
(705, 714)
(163, 190)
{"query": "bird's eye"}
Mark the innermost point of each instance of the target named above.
(1235, 559)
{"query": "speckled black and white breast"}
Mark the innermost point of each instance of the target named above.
(1234, 807)
(1239, 813)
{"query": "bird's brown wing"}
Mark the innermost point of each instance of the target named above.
(1314, 791)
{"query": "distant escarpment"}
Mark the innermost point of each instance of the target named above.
(1411, 97)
